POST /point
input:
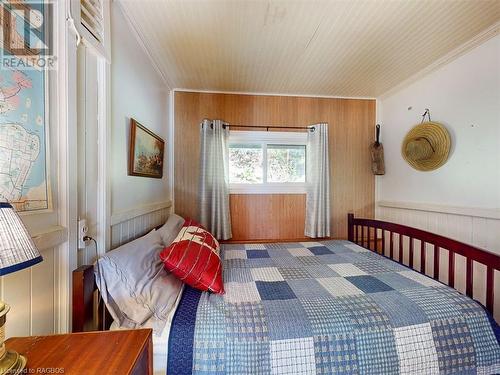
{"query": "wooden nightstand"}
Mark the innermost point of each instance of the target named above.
(106, 352)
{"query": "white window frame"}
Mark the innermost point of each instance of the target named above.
(266, 138)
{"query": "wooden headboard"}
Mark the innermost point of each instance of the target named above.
(375, 235)
(88, 313)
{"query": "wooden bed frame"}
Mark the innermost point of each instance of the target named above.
(365, 232)
(378, 236)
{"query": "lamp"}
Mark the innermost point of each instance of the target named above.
(17, 251)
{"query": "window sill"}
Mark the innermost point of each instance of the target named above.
(298, 188)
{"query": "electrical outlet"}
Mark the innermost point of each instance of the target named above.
(82, 232)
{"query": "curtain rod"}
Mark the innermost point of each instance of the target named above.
(311, 128)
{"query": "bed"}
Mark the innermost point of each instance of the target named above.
(329, 307)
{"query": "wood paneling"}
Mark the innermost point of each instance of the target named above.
(348, 48)
(352, 123)
(31, 296)
(267, 216)
(128, 230)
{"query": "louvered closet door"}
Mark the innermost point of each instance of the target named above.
(91, 17)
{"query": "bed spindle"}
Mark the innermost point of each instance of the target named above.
(436, 262)
(367, 237)
(471, 253)
(391, 248)
(489, 288)
(411, 253)
(422, 256)
(451, 268)
(383, 243)
(468, 278)
(400, 259)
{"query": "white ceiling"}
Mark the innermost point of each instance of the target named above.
(339, 48)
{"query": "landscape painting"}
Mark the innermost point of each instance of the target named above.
(146, 152)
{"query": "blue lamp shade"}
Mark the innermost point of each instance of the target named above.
(17, 249)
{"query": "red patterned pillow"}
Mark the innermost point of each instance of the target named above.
(194, 258)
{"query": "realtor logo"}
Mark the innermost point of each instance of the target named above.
(26, 34)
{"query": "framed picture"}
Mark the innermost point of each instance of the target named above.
(146, 152)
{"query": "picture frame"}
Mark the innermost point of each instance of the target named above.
(146, 152)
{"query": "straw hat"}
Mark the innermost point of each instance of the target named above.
(426, 146)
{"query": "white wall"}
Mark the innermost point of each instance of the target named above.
(137, 91)
(461, 199)
(465, 96)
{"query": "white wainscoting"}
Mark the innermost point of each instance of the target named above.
(478, 227)
(32, 292)
(131, 224)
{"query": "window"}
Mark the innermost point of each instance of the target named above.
(286, 163)
(267, 162)
(245, 163)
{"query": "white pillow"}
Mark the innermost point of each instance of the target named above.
(134, 285)
(171, 229)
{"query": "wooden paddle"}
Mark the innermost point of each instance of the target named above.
(377, 153)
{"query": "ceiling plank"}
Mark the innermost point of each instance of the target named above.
(332, 48)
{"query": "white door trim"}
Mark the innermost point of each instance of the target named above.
(65, 258)
(104, 150)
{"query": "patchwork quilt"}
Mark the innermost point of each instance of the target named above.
(328, 308)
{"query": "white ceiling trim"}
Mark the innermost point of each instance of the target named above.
(476, 41)
(274, 94)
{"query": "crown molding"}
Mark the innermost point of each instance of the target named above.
(476, 41)
(273, 94)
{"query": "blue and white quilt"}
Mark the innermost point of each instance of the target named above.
(328, 308)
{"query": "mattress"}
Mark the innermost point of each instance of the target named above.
(328, 307)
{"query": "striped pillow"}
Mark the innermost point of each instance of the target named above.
(194, 258)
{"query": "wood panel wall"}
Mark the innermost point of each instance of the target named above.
(351, 121)
(31, 294)
(267, 216)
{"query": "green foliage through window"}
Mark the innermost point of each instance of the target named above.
(286, 163)
(278, 163)
(245, 163)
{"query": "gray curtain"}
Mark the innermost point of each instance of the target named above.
(214, 179)
(318, 183)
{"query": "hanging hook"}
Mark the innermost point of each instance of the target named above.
(377, 127)
(426, 113)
